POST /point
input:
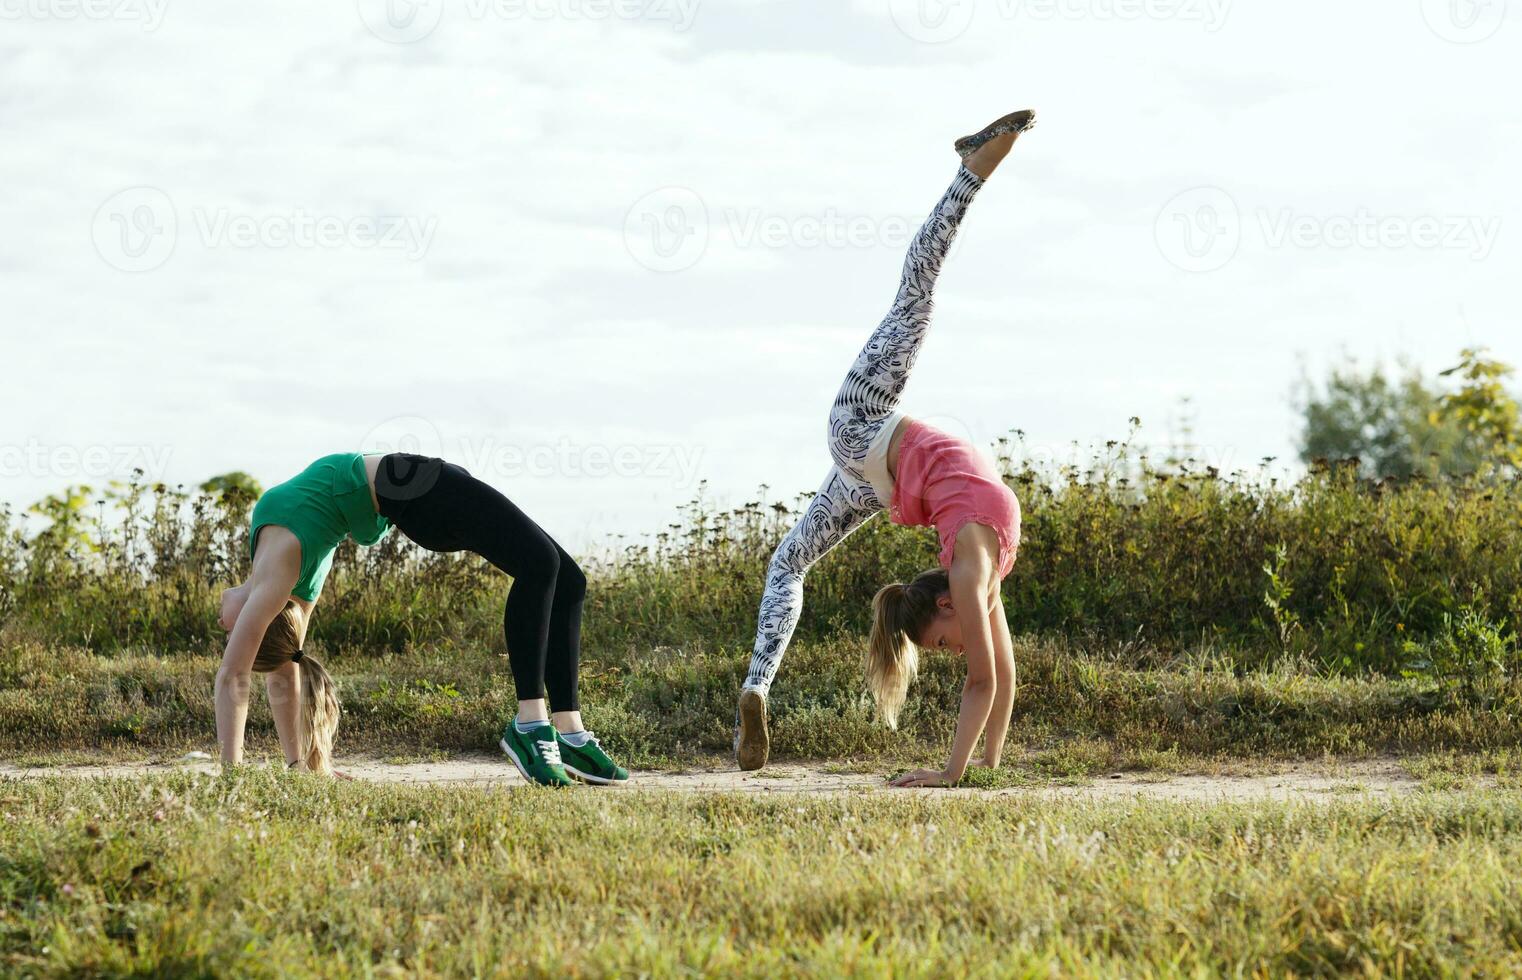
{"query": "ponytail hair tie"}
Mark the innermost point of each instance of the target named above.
(296, 657)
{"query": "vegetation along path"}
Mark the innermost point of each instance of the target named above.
(1313, 781)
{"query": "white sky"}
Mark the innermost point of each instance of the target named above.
(650, 235)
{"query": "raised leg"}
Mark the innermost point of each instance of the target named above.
(876, 381)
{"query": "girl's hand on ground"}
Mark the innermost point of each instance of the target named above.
(343, 775)
(921, 778)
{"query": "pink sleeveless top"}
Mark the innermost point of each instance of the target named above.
(945, 483)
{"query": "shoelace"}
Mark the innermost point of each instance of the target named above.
(549, 751)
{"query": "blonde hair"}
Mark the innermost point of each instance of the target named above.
(900, 615)
(320, 710)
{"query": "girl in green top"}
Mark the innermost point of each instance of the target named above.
(295, 530)
(324, 503)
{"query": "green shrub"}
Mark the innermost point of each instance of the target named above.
(1470, 651)
(1346, 572)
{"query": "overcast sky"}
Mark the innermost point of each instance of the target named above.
(598, 250)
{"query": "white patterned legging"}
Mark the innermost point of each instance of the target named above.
(871, 392)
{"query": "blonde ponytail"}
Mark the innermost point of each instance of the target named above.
(320, 711)
(900, 615)
(891, 658)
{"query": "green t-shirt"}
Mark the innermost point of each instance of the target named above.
(321, 505)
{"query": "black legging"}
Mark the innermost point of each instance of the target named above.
(443, 508)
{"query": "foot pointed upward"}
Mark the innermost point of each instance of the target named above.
(982, 152)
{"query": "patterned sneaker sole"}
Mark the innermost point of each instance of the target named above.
(754, 743)
(1015, 122)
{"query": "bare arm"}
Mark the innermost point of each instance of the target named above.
(276, 567)
(969, 592)
(1004, 674)
(283, 688)
(972, 572)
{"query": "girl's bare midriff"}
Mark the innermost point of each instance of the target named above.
(898, 437)
(372, 467)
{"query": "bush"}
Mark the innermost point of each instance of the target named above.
(1350, 573)
(1469, 651)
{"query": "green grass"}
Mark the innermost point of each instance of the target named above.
(265, 873)
(1455, 770)
(81, 757)
(1173, 619)
(1079, 712)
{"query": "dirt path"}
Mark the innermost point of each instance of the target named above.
(1383, 778)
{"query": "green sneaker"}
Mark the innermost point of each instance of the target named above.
(536, 753)
(590, 764)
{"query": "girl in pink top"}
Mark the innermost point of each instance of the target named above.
(885, 460)
(944, 483)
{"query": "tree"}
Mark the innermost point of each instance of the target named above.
(1483, 412)
(1386, 420)
(67, 535)
(236, 483)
